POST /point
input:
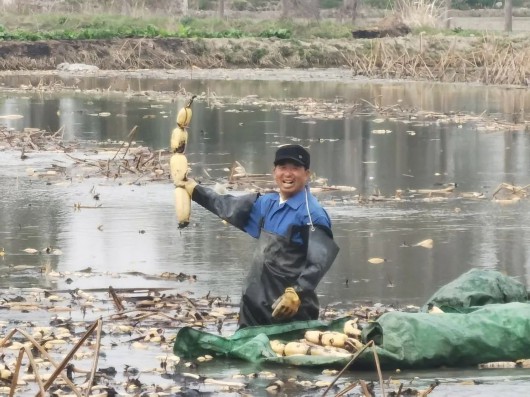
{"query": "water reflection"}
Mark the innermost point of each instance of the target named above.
(510, 103)
(135, 229)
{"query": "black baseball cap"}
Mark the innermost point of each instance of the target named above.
(295, 153)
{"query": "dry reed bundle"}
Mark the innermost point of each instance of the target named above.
(421, 13)
(489, 61)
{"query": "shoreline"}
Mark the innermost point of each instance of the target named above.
(342, 75)
(488, 59)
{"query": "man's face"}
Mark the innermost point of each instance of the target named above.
(290, 178)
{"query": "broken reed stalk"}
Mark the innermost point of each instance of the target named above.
(366, 392)
(35, 367)
(491, 62)
(514, 190)
(14, 380)
(499, 188)
(120, 290)
(96, 357)
(378, 366)
(131, 136)
(7, 337)
(116, 299)
(70, 354)
(60, 130)
(357, 354)
(42, 351)
(123, 143)
(149, 314)
(346, 389)
(150, 158)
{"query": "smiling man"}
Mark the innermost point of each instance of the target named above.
(295, 244)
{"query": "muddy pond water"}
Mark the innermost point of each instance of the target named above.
(475, 137)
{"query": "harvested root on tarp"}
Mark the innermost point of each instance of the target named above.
(304, 348)
(323, 343)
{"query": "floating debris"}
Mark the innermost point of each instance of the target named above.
(275, 387)
(377, 261)
(11, 117)
(428, 243)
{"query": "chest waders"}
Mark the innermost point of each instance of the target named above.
(278, 262)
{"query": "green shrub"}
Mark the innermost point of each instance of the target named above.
(279, 33)
(231, 34)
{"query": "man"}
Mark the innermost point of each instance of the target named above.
(295, 243)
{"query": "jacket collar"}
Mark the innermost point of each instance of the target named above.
(295, 201)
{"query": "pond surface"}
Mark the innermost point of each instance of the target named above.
(134, 228)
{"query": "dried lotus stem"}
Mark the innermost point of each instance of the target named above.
(45, 354)
(346, 389)
(38, 378)
(69, 356)
(370, 343)
(99, 325)
(366, 391)
(14, 379)
(116, 300)
(378, 366)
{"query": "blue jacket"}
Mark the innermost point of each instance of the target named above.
(269, 214)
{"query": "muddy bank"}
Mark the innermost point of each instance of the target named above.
(485, 59)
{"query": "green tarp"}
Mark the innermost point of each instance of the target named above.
(495, 332)
(253, 343)
(478, 287)
(498, 332)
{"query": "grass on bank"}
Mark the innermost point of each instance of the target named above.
(108, 26)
